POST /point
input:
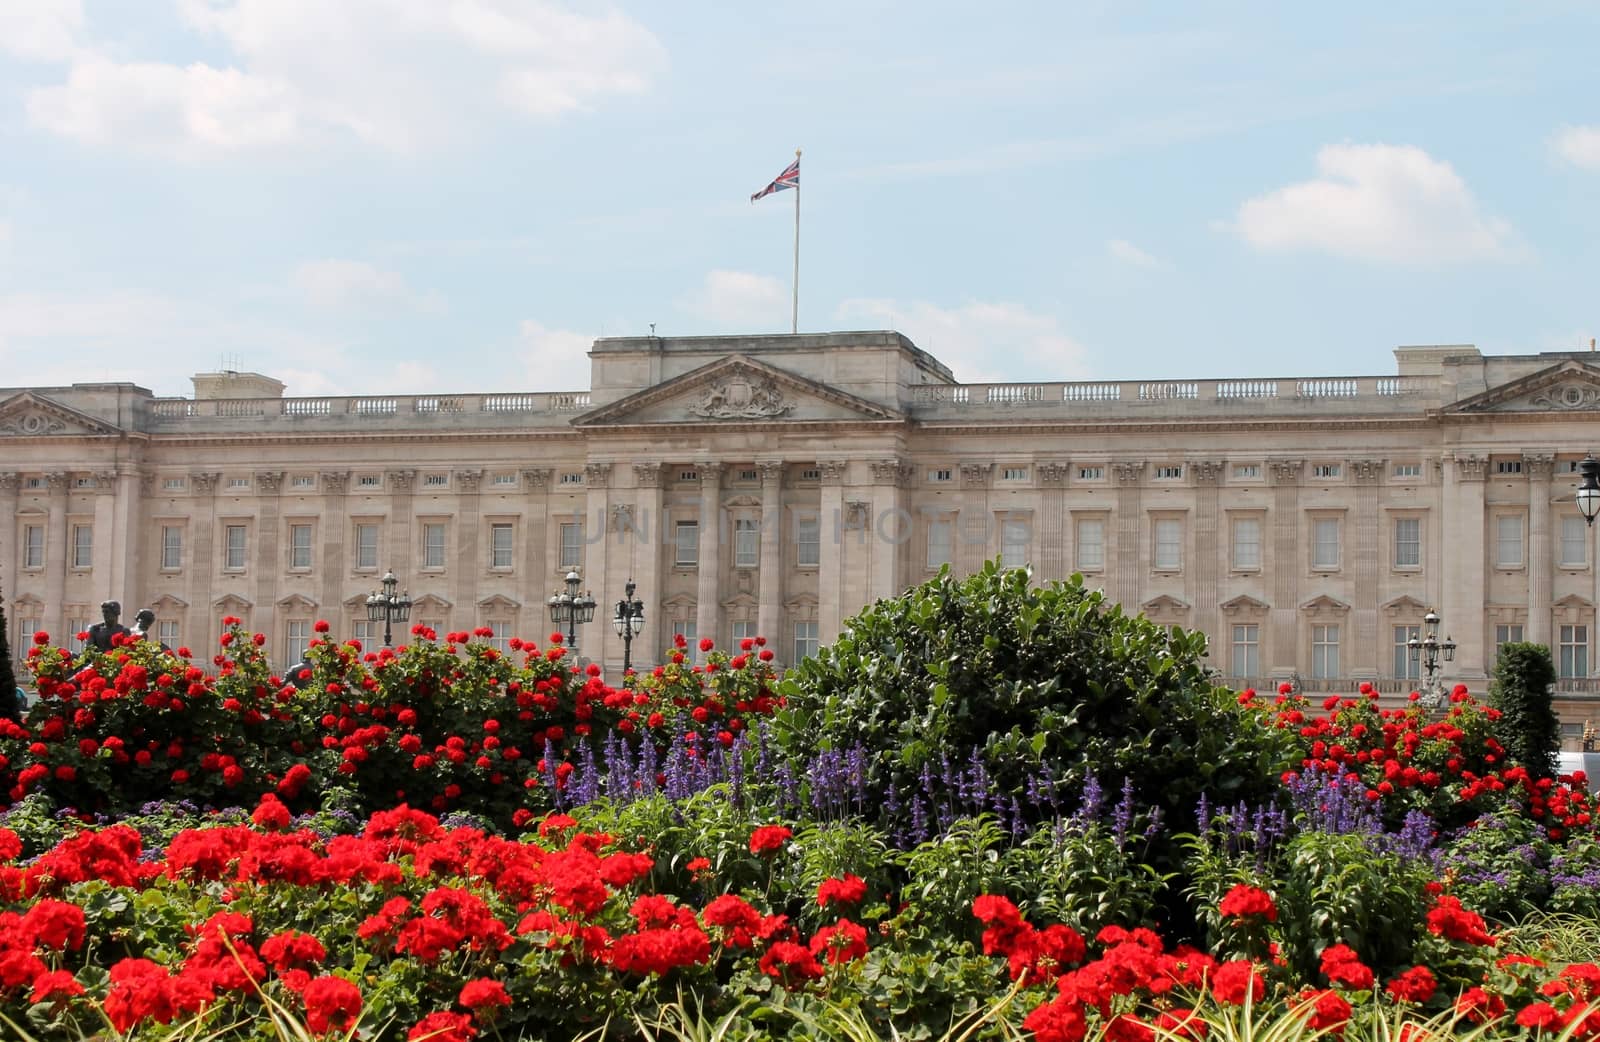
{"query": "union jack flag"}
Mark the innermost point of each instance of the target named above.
(790, 178)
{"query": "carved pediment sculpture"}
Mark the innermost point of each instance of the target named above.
(741, 396)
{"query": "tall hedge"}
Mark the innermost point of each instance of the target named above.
(1052, 680)
(1520, 689)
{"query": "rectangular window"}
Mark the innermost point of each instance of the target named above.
(75, 627)
(234, 543)
(811, 474)
(571, 555)
(1508, 542)
(171, 548)
(297, 637)
(1404, 667)
(1245, 658)
(1407, 470)
(1247, 470)
(1014, 543)
(174, 484)
(1169, 472)
(1573, 660)
(939, 475)
(572, 477)
(367, 547)
(1167, 553)
(303, 481)
(1246, 547)
(1574, 542)
(433, 544)
(1408, 542)
(1325, 651)
(238, 483)
(746, 543)
(500, 536)
(742, 631)
(687, 629)
(167, 632)
(1504, 635)
(504, 479)
(369, 633)
(369, 481)
(1325, 542)
(941, 539)
(1014, 474)
(807, 541)
(1508, 466)
(82, 546)
(687, 539)
(805, 641)
(300, 549)
(27, 626)
(435, 480)
(33, 547)
(1091, 541)
(1091, 473)
(1326, 470)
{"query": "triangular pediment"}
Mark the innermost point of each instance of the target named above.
(737, 390)
(1244, 604)
(1164, 606)
(168, 603)
(1325, 605)
(1568, 387)
(232, 604)
(1406, 606)
(31, 415)
(430, 602)
(498, 604)
(295, 602)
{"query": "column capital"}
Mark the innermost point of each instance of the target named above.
(205, 482)
(537, 477)
(1054, 473)
(335, 481)
(895, 472)
(1538, 464)
(9, 480)
(58, 481)
(1286, 471)
(105, 482)
(976, 474)
(1205, 471)
(771, 472)
(1366, 471)
(597, 475)
(469, 479)
(1469, 467)
(402, 480)
(710, 472)
(1128, 472)
(832, 471)
(269, 481)
(147, 485)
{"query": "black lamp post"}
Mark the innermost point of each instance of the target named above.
(569, 608)
(388, 607)
(1588, 495)
(1431, 650)
(628, 622)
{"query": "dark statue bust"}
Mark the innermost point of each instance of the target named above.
(101, 633)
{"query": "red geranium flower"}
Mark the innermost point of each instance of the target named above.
(849, 890)
(769, 839)
(1244, 901)
(332, 1004)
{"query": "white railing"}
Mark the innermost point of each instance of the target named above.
(374, 407)
(1375, 389)
(1099, 392)
(1230, 389)
(307, 406)
(1168, 391)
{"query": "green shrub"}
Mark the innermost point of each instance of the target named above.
(1520, 690)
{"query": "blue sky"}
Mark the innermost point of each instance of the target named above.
(380, 196)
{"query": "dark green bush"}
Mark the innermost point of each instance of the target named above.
(1520, 690)
(1049, 685)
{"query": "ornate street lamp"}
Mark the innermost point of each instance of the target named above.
(388, 607)
(1431, 650)
(569, 608)
(628, 621)
(1588, 495)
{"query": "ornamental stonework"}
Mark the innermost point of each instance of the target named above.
(1572, 396)
(32, 423)
(742, 397)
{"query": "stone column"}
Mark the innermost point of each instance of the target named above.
(335, 519)
(1541, 566)
(889, 530)
(1286, 653)
(469, 563)
(1365, 559)
(1466, 562)
(769, 613)
(204, 625)
(130, 529)
(58, 552)
(10, 562)
(708, 589)
(1052, 521)
(1208, 548)
(975, 529)
(402, 553)
(649, 556)
(1126, 548)
(594, 640)
(269, 561)
(830, 574)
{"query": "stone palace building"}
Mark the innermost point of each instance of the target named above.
(776, 484)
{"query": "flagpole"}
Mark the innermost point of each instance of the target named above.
(794, 315)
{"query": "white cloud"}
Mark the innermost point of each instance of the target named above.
(397, 74)
(40, 30)
(1128, 253)
(337, 283)
(981, 342)
(741, 300)
(1387, 203)
(1579, 146)
(553, 359)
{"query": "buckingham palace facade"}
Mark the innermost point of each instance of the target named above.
(776, 484)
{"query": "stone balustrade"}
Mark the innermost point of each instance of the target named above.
(1125, 397)
(172, 414)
